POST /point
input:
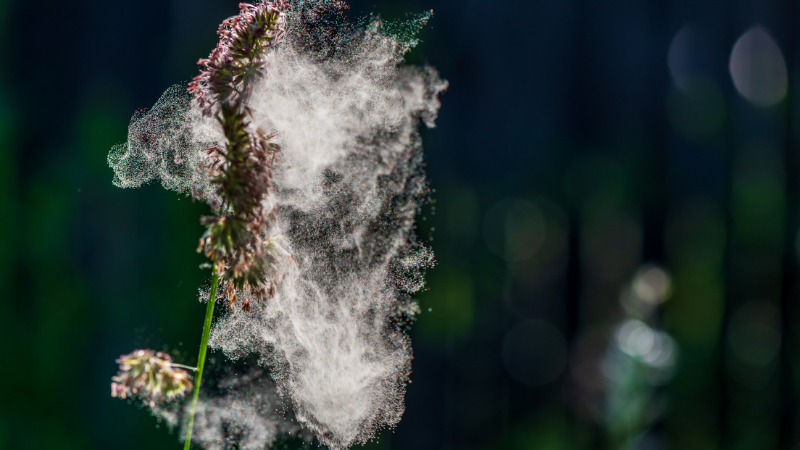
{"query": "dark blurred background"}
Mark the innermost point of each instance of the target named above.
(615, 223)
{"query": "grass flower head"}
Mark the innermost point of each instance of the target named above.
(151, 376)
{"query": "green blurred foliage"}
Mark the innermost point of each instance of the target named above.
(548, 430)
(699, 111)
(448, 304)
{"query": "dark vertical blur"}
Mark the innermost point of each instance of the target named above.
(615, 220)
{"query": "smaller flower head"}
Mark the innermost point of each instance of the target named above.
(149, 375)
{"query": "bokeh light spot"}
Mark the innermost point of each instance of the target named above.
(652, 284)
(682, 66)
(634, 338)
(758, 68)
(662, 354)
(650, 287)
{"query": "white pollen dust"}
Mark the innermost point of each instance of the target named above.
(349, 182)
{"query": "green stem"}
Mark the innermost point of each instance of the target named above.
(201, 359)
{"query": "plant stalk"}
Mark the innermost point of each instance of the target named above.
(201, 358)
(193, 369)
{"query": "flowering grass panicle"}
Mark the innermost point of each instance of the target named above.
(150, 375)
(237, 239)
